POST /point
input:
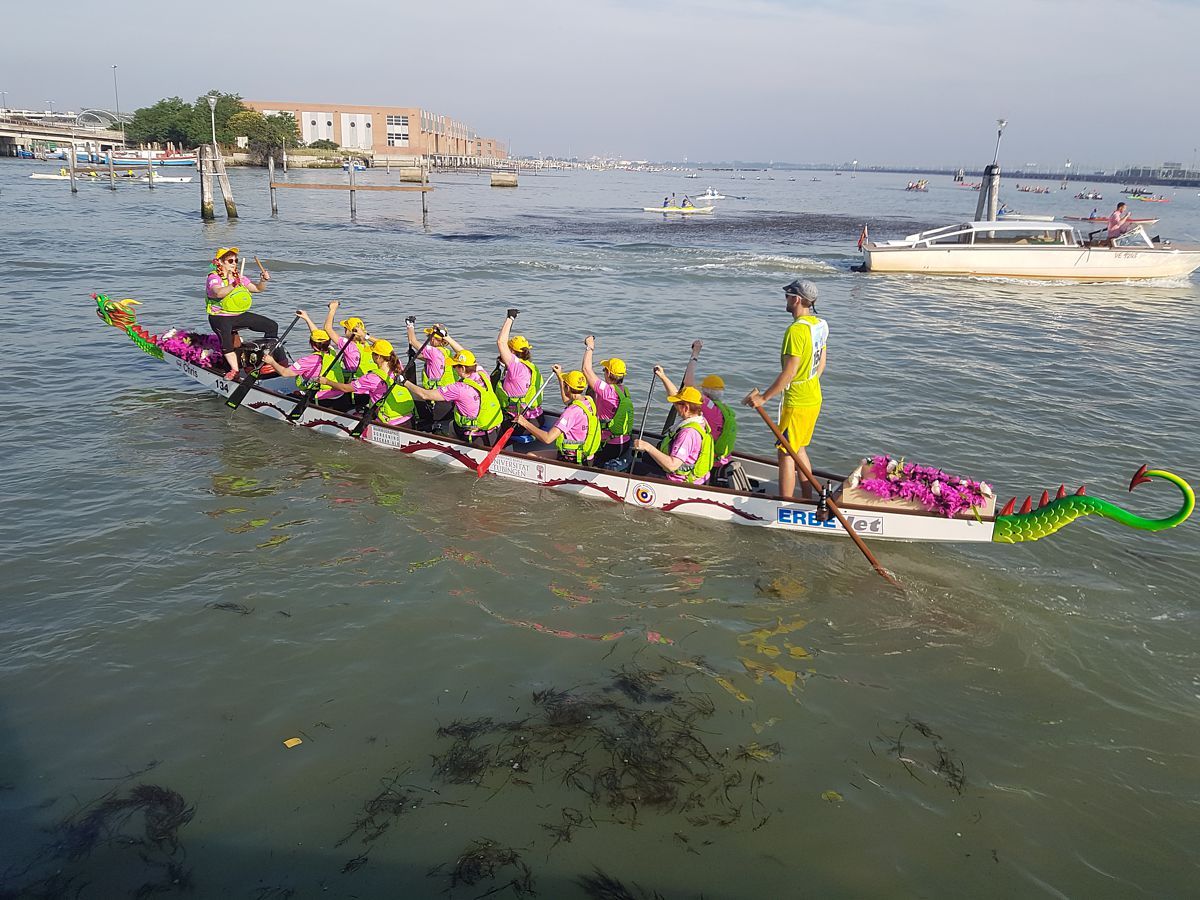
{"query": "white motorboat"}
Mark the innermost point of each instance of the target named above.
(168, 179)
(710, 194)
(1024, 248)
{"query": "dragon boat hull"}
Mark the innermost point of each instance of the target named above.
(873, 522)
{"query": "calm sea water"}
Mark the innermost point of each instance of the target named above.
(498, 688)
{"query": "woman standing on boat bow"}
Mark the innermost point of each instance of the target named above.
(227, 301)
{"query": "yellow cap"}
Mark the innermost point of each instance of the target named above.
(352, 323)
(713, 383)
(319, 335)
(382, 347)
(464, 358)
(431, 330)
(687, 395)
(518, 342)
(615, 366)
(223, 251)
(575, 380)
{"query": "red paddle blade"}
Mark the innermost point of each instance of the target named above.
(494, 452)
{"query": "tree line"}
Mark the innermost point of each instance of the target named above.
(175, 121)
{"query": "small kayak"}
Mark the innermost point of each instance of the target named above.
(1101, 219)
(678, 209)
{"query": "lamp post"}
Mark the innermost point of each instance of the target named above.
(212, 115)
(1000, 123)
(4, 100)
(117, 98)
(50, 103)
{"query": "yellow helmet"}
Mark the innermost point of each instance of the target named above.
(382, 348)
(575, 380)
(713, 383)
(614, 366)
(464, 358)
(687, 395)
(518, 343)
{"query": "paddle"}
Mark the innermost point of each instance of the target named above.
(260, 267)
(311, 393)
(672, 414)
(372, 408)
(236, 398)
(499, 445)
(410, 370)
(811, 479)
(642, 428)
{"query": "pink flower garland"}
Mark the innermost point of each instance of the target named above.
(199, 348)
(934, 489)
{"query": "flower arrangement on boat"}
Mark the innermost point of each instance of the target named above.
(195, 347)
(934, 489)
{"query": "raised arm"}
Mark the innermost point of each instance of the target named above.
(667, 383)
(454, 345)
(506, 355)
(328, 326)
(312, 326)
(562, 388)
(410, 326)
(689, 374)
(589, 346)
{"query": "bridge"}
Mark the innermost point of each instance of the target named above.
(93, 130)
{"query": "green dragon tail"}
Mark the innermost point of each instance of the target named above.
(1031, 524)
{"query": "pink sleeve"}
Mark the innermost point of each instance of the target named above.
(213, 282)
(352, 356)
(308, 366)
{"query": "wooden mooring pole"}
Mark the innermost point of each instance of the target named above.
(112, 172)
(71, 168)
(206, 190)
(353, 207)
(226, 188)
(271, 176)
(150, 173)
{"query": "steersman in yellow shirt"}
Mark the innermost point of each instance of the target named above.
(802, 360)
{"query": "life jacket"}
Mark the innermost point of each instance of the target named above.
(698, 470)
(236, 301)
(366, 361)
(723, 443)
(447, 372)
(535, 385)
(621, 422)
(336, 373)
(397, 402)
(581, 451)
(489, 408)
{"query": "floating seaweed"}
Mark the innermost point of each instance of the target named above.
(484, 859)
(944, 765)
(240, 608)
(602, 886)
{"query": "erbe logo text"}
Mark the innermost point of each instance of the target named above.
(791, 515)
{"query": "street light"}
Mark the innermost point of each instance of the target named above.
(117, 98)
(212, 114)
(1000, 123)
(4, 100)
(50, 103)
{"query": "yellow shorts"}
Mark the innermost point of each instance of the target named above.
(797, 423)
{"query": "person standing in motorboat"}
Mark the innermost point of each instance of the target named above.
(802, 361)
(1119, 221)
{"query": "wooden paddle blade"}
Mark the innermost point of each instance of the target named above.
(494, 452)
(236, 398)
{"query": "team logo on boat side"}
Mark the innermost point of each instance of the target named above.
(643, 494)
(792, 515)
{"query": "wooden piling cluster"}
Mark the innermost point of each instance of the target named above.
(211, 166)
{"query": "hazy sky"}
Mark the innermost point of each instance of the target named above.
(881, 81)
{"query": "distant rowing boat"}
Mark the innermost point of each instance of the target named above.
(684, 210)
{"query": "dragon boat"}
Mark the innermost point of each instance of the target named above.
(882, 499)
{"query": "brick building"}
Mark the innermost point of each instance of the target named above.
(396, 132)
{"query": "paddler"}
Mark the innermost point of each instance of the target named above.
(686, 453)
(227, 300)
(802, 361)
(576, 434)
(384, 378)
(475, 407)
(354, 329)
(613, 408)
(721, 419)
(437, 372)
(521, 381)
(309, 369)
